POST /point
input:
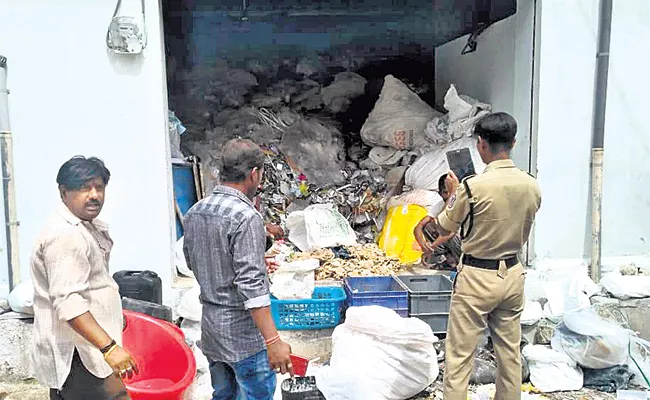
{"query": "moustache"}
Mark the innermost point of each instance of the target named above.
(93, 203)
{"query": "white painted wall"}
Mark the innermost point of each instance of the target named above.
(70, 96)
(626, 200)
(566, 86)
(499, 72)
(567, 67)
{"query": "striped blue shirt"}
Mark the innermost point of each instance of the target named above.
(224, 246)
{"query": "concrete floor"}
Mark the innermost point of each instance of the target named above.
(26, 390)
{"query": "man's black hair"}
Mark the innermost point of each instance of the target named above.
(239, 157)
(499, 130)
(442, 183)
(78, 170)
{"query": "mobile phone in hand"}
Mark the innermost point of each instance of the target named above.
(460, 162)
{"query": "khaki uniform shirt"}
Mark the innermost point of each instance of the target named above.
(506, 200)
(69, 268)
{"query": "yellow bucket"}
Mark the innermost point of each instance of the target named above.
(397, 238)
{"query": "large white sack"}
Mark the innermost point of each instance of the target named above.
(464, 113)
(21, 299)
(551, 370)
(190, 305)
(398, 119)
(426, 170)
(626, 286)
(428, 199)
(376, 354)
(179, 259)
(294, 280)
(319, 226)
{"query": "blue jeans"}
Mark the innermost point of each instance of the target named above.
(248, 379)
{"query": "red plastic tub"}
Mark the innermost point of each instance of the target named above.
(167, 365)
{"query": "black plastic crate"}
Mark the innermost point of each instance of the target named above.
(301, 388)
(383, 291)
(428, 294)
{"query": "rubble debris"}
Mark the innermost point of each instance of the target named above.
(485, 367)
(545, 331)
(298, 110)
(317, 150)
(612, 312)
(286, 189)
(365, 260)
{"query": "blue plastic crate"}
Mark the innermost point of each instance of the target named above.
(383, 291)
(323, 310)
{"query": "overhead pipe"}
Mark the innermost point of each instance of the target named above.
(598, 135)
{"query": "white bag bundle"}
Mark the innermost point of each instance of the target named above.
(464, 113)
(428, 199)
(294, 280)
(590, 340)
(319, 226)
(376, 354)
(21, 299)
(426, 170)
(552, 371)
(398, 119)
(626, 286)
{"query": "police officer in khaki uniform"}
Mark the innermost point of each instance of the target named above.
(495, 211)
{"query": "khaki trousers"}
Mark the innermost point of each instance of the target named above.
(484, 298)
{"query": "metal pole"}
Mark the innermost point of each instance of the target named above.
(598, 135)
(8, 189)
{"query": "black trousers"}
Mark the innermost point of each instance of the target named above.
(82, 385)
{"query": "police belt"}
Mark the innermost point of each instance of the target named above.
(483, 263)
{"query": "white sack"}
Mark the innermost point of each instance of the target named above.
(319, 226)
(294, 280)
(190, 305)
(568, 295)
(464, 113)
(532, 313)
(179, 259)
(424, 198)
(626, 286)
(398, 119)
(426, 170)
(21, 299)
(590, 340)
(552, 371)
(376, 354)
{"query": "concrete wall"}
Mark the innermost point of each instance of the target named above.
(626, 202)
(499, 72)
(70, 96)
(567, 68)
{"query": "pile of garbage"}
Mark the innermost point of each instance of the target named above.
(296, 111)
(574, 341)
(360, 260)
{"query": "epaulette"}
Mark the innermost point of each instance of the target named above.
(467, 178)
(531, 175)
